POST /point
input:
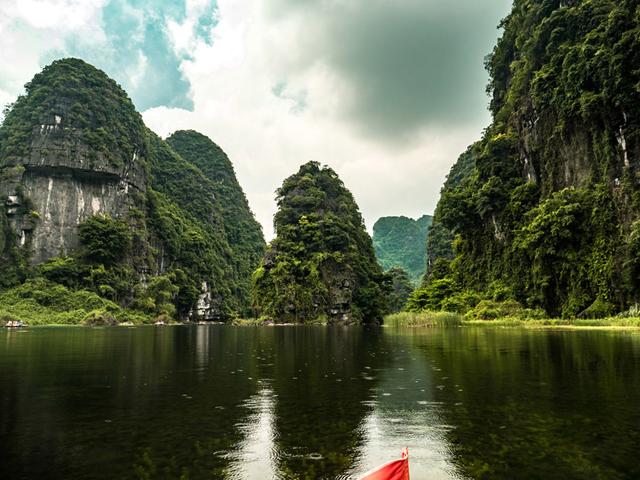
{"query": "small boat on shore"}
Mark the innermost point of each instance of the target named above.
(15, 324)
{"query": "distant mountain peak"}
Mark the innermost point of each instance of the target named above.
(401, 242)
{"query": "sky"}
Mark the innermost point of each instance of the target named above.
(386, 92)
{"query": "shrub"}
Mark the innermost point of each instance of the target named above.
(599, 309)
(40, 302)
(431, 296)
(62, 270)
(492, 310)
(6, 317)
(100, 317)
(500, 292)
(104, 239)
(164, 318)
(157, 297)
(461, 302)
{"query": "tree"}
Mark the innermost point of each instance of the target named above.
(401, 288)
(104, 239)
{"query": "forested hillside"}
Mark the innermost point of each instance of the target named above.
(401, 242)
(243, 232)
(321, 266)
(102, 221)
(545, 208)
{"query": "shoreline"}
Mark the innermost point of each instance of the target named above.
(553, 324)
(448, 319)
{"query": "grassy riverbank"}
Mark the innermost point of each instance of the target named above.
(45, 303)
(448, 319)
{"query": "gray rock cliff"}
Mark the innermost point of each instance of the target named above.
(61, 181)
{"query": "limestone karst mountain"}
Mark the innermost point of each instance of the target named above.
(244, 233)
(402, 242)
(545, 209)
(321, 265)
(78, 168)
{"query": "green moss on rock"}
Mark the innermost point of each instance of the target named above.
(548, 200)
(321, 263)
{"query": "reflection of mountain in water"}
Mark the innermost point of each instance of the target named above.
(323, 398)
(199, 402)
(303, 402)
(120, 403)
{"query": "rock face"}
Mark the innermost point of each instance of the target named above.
(546, 206)
(244, 233)
(74, 148)
(61, 163)
(65, 184)
(321, 265)
(401, 242)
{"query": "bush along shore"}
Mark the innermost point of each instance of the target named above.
(41, 302)
(508, 314)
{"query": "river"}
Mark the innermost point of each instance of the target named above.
(209, 402)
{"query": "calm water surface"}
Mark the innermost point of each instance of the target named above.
(313, 402)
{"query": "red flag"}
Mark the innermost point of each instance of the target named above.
(394, 470)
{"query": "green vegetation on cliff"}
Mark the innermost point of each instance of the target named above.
(188, 222)
(42, 302)
(401, 242)
(134, 224)
(440, 238)
(547, 212)
(401, 289)
(244, 233)
(71, 94)
(321, 265)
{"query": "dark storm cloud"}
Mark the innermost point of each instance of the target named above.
(410, 63)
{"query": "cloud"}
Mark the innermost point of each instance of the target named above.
(387, 93)
(30, 27)
(412, 64)
(127, 39)
(136, 51)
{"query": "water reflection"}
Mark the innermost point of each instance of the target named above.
(323, 399)
(406, 414)
(254, 456)
(254, 403)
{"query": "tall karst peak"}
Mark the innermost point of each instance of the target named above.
(321, 265)
(91, 197)
(72, 146)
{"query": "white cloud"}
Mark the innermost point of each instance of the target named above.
(183, 34)
(267, 91)
(58, 15)
(282, 82)
(30, 28)
(138, 70)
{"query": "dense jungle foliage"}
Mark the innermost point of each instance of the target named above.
(544, 211)
(84, 99)
(149, 263)
(188, 221)
(244, 233)
(401, 242)
(321, 265)
(401, 289)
